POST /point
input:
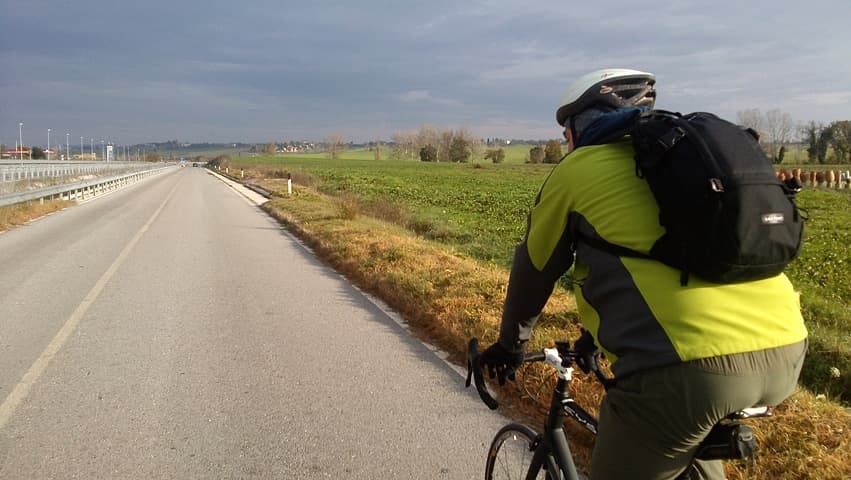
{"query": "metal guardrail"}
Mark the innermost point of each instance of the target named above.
(81, 190)
(16, 171)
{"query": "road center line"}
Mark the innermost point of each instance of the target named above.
(22, 389)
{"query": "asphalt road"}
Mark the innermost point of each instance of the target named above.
(173, 330)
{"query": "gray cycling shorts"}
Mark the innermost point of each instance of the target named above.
(652, 422)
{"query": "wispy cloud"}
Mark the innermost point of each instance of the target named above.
(825, 98)
(424, 96)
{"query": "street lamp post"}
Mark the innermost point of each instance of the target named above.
(68, 145)
(92, 146)
(21, 141)
(48, 144)
(81, 148)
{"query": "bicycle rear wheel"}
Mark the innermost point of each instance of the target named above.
(511, 452)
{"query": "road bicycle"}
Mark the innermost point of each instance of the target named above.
(519, 452)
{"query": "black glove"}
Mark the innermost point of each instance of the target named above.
(500, 362)
(586, 351)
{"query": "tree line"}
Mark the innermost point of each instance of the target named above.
(825, 143)
(433, 144)
(819, 137)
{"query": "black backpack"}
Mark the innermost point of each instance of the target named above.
(727, 216)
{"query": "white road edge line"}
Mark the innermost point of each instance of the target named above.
(22, 389)
(251, 196)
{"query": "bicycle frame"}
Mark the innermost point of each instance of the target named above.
(554, 448)
(555, 440)
(551, 449)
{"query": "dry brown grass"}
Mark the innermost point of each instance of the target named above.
(274, 176)
(447, 299)
(21, 213)
(348, 207)
(808, 439)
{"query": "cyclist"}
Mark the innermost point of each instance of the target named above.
(688, 354)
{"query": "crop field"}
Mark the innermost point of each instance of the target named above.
(480, 209)
(823, 276)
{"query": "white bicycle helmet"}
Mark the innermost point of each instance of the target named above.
(613, 87)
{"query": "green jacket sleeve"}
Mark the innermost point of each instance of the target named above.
(529, 287)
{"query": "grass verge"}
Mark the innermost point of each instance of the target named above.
(18, 214)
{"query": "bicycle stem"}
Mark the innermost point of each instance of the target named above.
(553, 358)
(554, 428)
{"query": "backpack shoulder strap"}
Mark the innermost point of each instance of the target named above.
(614, 249)
(621, 251)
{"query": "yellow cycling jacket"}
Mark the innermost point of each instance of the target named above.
(637, 310)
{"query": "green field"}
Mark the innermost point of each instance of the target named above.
(480, 211)
(823, 275)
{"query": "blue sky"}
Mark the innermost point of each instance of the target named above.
(262, 70)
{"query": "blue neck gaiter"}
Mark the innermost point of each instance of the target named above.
(610, 126)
